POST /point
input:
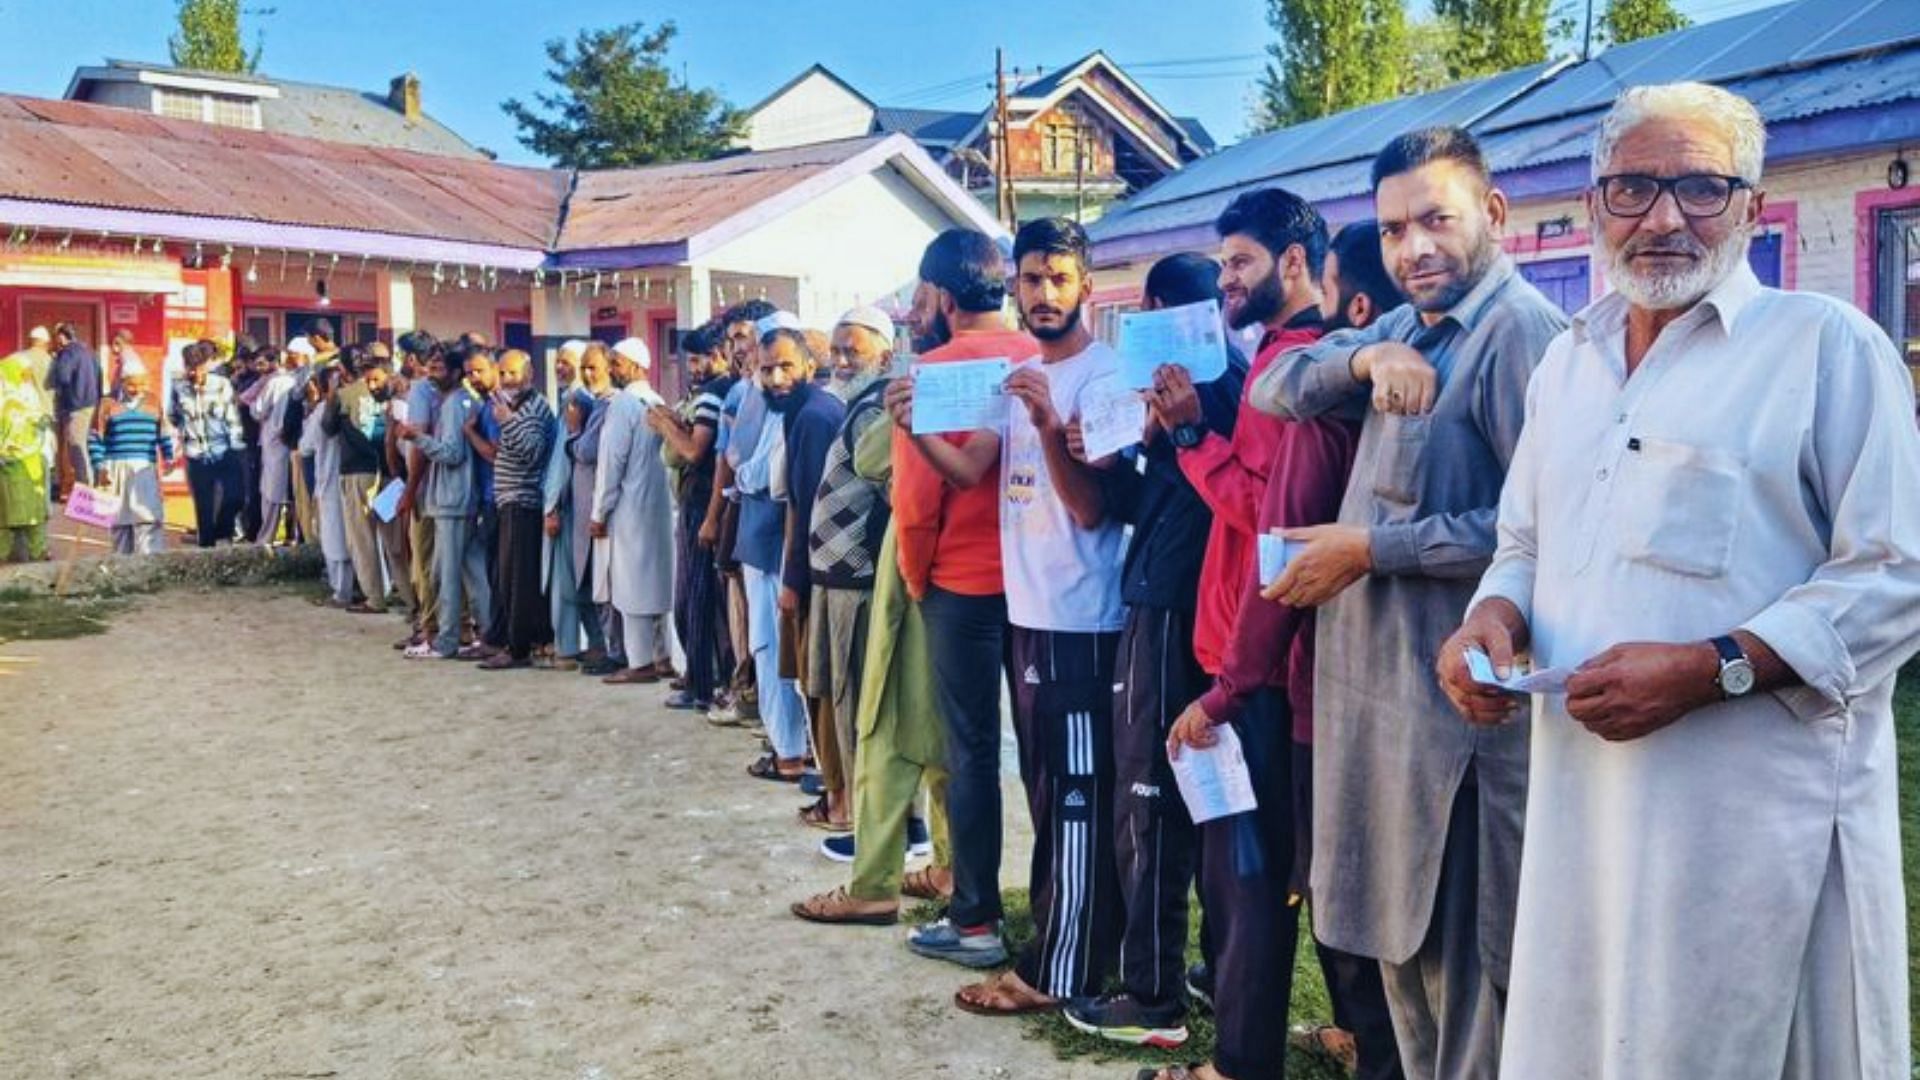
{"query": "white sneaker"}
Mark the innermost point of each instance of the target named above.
(422, 651)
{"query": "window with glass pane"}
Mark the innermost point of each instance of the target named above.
(235, 112)
(181, 106)
(1897, 286)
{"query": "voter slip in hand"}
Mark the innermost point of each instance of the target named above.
(1544, 681)
(1214, 782)
(1275, 553)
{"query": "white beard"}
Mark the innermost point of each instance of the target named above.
(1656, 291)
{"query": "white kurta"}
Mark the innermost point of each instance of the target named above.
(326, 482)
(270, 411)
(630, 495)
(1757, 471)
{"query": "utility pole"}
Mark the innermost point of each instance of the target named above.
(1586, 39)
(1002, 147)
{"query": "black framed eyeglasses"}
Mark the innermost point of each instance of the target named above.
(1699, 195)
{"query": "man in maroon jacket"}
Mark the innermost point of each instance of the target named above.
(1267, 674)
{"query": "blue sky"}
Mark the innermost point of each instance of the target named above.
(1199, 58)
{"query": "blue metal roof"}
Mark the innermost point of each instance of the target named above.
(1789, 36)
(926, 125)
(1356, 134)
(1794, 61)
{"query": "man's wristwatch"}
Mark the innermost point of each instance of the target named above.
(1187, 436)
(1736, 671)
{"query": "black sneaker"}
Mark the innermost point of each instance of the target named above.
(1122, 1018)
(1200, 985)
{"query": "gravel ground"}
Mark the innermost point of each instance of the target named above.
(240, 837)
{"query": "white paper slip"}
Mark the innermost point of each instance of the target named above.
(1189, 336)
(1544, 681)
(387, 503)
(1275, 554)
(962, 395)
(1214, 782)
(1111, 419)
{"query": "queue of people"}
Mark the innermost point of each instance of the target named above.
(1676, 856)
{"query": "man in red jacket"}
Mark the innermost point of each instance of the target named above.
(1272, 247)
(1266, 677)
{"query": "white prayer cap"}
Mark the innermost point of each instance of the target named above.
(573, 347)
(635, 350)
(300, 346)
(872, 318)
(39, 333)
(779, 320)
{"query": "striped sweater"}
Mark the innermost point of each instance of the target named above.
(132, 433)
(521, 458)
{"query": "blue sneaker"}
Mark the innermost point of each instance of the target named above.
(811, 784)
(919, 841)
(941, 940)
(838, 848)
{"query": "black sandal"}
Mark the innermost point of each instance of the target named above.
(768, 768)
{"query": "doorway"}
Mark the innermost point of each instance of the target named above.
(83, 314)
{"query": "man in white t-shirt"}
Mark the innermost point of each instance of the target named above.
(1061, 556)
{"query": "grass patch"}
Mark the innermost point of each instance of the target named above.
(1906, 724)
(31, 614)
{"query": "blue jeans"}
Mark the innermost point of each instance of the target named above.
(780, 706)
(461, 560)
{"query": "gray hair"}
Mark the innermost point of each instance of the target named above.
(1734, 116)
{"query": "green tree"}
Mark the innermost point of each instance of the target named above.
(1631, 20)
(1429, 42)
(1328, 56)
(209, 37)
(618, 104)
(1491, 36)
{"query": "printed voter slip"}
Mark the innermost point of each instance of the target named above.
(387, 502)
(1275, 553)
(1112, 418)
(1189, 336)
(1545, 681)
(1214, 782)
(93, 506)
(959, 395)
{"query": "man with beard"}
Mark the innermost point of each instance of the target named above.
(1060, 553)
(843, 530)
(451, 498)
(482, 432)
(275, 393)
(422, 406)
(1708, 515)
(356, 416)
(632, 520)
(1269, 664)
(1155, 675)
(809, 416)
(569, 612)
(739, 328)
(586, 419)
(947, 526)
(519, 466)
(1417, 813)
(690, 434)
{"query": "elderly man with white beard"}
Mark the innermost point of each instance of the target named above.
(1708, 516)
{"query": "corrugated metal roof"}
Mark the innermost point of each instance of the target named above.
(339, 114)
(1793, 35)
(664, 204)
(940, 126)
(1793, 61)
(1352, 135)
(93, 155)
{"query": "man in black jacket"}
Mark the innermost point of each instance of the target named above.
(357, 416)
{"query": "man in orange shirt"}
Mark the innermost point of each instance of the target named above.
(949, 540)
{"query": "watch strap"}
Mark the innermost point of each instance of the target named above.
(1729, 650)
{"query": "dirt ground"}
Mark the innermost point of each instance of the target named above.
(240, 837)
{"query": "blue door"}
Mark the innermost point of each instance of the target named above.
(1764, 255)
(1566, 282)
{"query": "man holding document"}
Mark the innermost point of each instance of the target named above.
(1416, 813)
(1710, 518)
